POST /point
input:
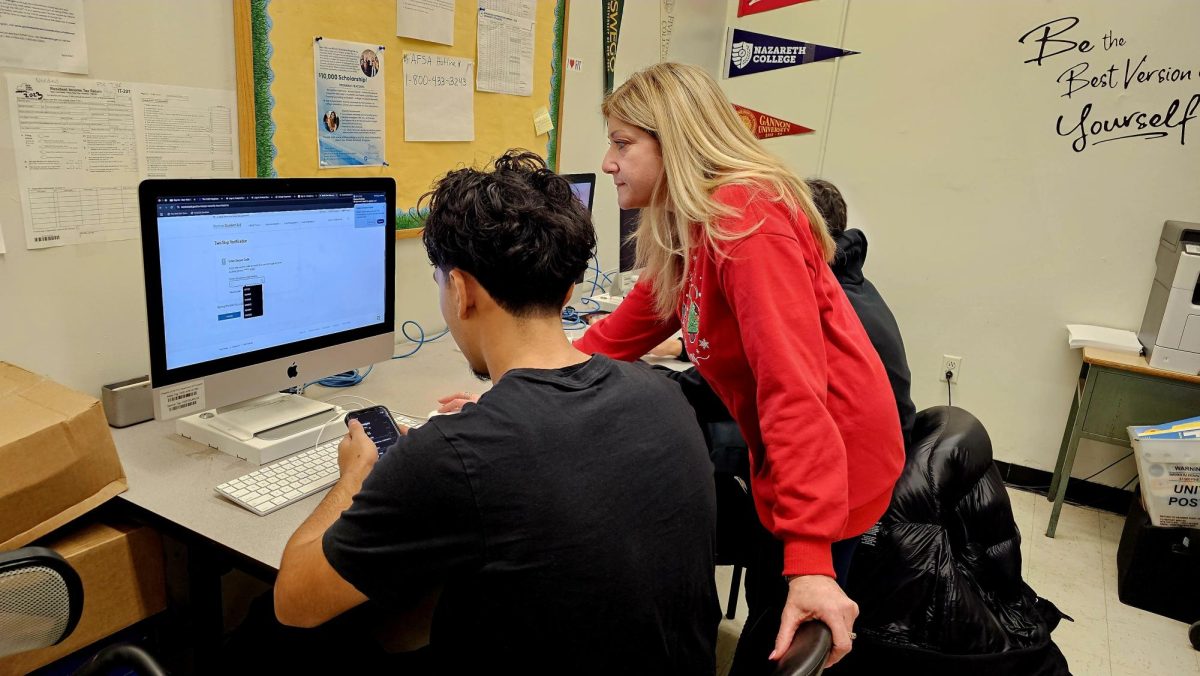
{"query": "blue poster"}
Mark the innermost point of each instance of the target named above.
(757, 53)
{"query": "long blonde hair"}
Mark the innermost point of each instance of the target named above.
(704, 146)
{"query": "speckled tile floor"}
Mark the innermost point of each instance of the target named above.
(1077, 570)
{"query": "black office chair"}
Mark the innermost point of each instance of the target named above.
(813, 641)
(41, 600)
(735, 509)
(806, 656)
(938, 581)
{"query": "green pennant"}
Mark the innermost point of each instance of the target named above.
(611, 25)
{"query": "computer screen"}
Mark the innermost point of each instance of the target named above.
(629, 226)
(583, 185)
(257, 285)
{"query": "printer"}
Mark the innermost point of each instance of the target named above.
(1171, 327)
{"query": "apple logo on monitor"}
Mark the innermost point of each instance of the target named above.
(293, 371)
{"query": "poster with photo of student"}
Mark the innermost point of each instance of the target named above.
(349, 117)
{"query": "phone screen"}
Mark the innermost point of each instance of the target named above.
(378, 425)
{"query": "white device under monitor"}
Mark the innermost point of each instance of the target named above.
(254, 286)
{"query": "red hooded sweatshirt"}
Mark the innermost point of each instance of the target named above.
(769, 327)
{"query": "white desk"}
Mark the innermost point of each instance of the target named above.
(173, 478)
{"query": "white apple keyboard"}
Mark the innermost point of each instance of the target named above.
(293, 478)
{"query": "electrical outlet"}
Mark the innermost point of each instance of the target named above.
(953, 365)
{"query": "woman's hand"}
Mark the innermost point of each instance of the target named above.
(817, 597)
(453, 403)
(671, 347)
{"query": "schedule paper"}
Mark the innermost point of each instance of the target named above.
(504, 50)
(185, 132)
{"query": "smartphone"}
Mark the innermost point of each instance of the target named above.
(378, 425)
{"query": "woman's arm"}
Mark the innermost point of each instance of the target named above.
(631, 331)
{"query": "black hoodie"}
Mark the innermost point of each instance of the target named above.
(877, 319)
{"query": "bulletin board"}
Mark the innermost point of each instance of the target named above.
(276, 71)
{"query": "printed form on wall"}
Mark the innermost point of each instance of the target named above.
(82, 146)
(504, 49)
(349, 119)
(76, 150)
(439, 104)
(185, 132)
(43, 35)
(429, 20)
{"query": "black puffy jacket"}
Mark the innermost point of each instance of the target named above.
(938, 579)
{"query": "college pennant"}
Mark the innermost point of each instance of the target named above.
(765, 126)
(611, 26)
(756, 53)
(755, 6)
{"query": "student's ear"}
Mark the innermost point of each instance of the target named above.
(464, 289)
(567, 297)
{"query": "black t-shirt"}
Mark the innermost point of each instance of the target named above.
(569, 516)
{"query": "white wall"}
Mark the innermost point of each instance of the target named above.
(77, 313)
(988, 233)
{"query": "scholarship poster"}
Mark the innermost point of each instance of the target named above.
(349, 118)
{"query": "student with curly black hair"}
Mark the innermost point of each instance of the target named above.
(563, 542)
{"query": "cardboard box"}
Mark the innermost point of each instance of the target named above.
(57, 458)
(121, 567)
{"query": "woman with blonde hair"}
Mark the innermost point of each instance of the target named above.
(735, 254)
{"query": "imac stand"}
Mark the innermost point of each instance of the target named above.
(264, 429)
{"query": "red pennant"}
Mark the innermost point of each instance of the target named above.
(755, 6)
(765, 126)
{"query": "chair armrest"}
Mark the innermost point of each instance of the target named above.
(122, 656)
(806, 656)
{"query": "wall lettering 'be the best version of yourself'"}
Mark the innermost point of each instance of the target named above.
(1116, 65)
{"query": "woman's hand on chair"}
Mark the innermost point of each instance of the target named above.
(817, 597)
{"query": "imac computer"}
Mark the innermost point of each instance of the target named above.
(255, 286)
(583, 185)
(626, 275)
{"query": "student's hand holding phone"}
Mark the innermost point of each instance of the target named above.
(453, 403)
(356, 453)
